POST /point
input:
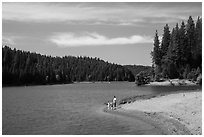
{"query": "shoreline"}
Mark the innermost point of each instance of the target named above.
(181, 112)
(173, 82)
(73, 82)
(171, 126)
(170, 82)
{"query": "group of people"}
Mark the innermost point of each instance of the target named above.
(112, 105)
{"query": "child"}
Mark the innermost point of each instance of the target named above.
(108, 105)
(111, 105)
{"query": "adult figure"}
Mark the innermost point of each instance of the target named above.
(114, 102)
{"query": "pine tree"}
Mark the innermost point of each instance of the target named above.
(171, 59)
(156, 51)
(198, 33)
(191, 40)
(182, 44)
(164, 48)
(171, 50)
(165, 41)
(156, 57)
(177, 48)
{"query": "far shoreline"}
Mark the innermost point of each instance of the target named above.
(74, 82)
(173, 82)
(169, 82)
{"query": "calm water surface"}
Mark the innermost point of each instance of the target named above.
(72, 108)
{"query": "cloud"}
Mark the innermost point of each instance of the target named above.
(95, 39)
(7, 40)
(99, 13)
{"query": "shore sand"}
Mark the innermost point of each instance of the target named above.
(173, 82)
(177, 114)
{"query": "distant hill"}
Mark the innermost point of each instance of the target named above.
(26, 68)
(135, 69)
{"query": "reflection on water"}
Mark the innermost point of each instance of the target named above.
(173, 89)
(69, 109)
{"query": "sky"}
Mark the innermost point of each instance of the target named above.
(116, 32)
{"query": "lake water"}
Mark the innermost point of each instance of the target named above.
(72, 109)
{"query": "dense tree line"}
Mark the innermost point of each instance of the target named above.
(179, 54)
(136, 69)
(25, 68)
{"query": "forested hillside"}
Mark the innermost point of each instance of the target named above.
(136, 69)
(25, 68)
(179, 53)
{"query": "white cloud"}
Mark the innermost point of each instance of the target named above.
(7, 40)
(97, 13)
(95, 39)
(57, 12)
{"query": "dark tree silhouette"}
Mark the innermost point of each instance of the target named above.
(180, 52)
(25, 68)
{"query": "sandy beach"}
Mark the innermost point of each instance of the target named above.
(177, 114)
(173, 82)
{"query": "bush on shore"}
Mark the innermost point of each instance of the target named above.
(142, 78)
(199, 79)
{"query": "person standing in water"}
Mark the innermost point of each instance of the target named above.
(114, 102)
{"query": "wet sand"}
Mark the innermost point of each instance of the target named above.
(177, 114)
(136, 124)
